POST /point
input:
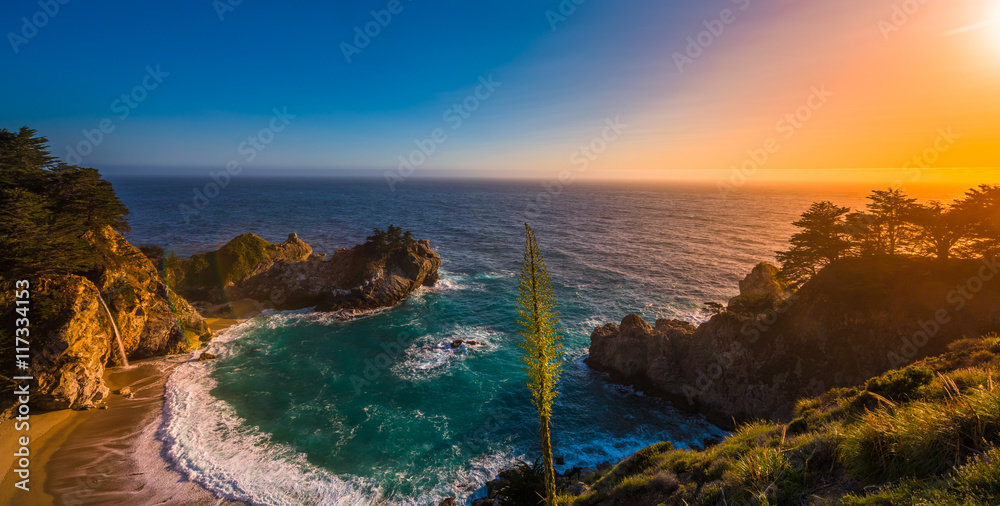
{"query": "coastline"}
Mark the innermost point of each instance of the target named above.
(129, 466)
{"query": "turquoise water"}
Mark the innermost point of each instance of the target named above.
(321, 408)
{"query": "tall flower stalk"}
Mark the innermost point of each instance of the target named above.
(540, 331)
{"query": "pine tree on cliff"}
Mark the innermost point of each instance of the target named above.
(823, 239)
(981, 208)
(540, 329)
(47, 207)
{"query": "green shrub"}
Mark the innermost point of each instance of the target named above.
(901, 384)
(992, 343)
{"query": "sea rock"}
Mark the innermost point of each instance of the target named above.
(123, 391)
(855, 319)
(447, 502)
(359, 278)
(206, 356)
(204, 276)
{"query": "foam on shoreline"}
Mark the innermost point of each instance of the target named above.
(209, 444)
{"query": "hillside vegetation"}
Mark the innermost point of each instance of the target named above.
(928, 433)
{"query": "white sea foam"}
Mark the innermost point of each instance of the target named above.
(432, 355)
(209, 444)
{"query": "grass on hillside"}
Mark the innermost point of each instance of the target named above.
(925, 434)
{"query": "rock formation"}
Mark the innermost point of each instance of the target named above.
(72, 337)
(289, 276)
(204, 276)
(856, 319)
(152, 319)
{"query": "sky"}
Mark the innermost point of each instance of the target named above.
(722, 90)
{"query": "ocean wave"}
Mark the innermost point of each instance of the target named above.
(209, 444)
(432, 355)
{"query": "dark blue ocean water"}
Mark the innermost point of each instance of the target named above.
(313, 408)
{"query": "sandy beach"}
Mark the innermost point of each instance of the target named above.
(105, 456)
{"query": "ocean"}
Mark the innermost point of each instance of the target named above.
(303, 407)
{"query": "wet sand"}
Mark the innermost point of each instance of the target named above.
(105, 456)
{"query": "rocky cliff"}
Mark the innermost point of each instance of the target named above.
(72, 338)
(289, 276)
(854, 320)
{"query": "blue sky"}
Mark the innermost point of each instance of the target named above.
(226, 76)
(604, 60)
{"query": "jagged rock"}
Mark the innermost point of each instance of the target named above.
(578, 489)
(762, 290)
(447, 502)
(856, 319)
(204, 276)
(359, 278)
(74, 338)
(68, 363)
(764, 280)
(205, 356)
(151, 318)
(123, 391)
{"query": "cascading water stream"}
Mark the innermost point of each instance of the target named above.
(118, 337)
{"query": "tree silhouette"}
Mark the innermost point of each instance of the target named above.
(981, 209)
(884, 229)
(823, 239)
(939, 230)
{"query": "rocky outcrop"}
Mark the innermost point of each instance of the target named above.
(152, 319)
(762, 289)
(364, 277)
(72, 335)
(69, 358)
(204, 276)
(856, 319)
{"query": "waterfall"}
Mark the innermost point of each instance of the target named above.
(118, 337)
